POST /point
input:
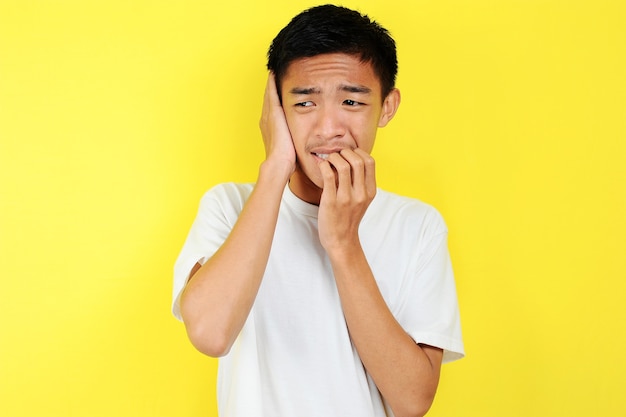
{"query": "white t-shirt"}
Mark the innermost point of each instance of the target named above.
(294, 356)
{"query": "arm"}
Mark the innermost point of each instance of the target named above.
(219, 295)
(407, 374)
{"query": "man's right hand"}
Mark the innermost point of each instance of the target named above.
(219, 295)
(276, 136)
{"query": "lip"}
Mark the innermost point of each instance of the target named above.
(327, 150)
(321, 156)
(323, 153)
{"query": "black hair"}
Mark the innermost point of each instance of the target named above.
(334, 29)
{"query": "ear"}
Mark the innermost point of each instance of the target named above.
(390, 106)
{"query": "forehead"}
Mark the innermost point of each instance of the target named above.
(323, 70)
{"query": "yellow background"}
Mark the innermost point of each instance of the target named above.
(116, 116)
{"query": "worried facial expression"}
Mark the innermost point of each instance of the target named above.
(331, 102)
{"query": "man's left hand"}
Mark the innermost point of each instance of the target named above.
(349, 188)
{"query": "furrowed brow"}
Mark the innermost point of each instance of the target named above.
(303, 91)
(359, 89)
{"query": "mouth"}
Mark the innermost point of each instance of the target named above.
(323, 156)
(324, 152)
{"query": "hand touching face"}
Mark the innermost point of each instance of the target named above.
(332, 104)
(349, 188)
(276, 136)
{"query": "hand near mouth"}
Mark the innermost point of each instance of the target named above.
(276, 135)
(349, 188)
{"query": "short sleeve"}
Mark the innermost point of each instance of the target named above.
(430, 312)
(217, 214)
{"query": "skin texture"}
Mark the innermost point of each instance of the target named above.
(319, 141)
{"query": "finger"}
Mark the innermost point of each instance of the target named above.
(344, 171)
(328, 176)
(357, 166)
(272, 90)
(266, 101)
(369, 171)
(270, 96)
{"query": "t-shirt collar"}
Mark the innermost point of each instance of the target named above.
(301, 206)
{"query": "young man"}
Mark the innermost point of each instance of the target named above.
(321, 294)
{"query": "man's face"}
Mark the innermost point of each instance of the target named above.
(331, 102)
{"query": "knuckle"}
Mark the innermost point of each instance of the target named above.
(343, 170)
(361, 197)
(341, 165)
(343, 200)
(328, 174)
(358, 163)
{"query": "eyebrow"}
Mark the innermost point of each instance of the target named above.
(305, 91)
(358, 89)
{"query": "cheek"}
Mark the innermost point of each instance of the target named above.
(364, 133)
(292, 123)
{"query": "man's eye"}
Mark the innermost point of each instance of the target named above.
(305, 104)
(351, 103)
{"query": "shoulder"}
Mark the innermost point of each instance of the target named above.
(227, 193)
(411, 213)
(225, 200)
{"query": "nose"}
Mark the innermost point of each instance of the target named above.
(330, 124)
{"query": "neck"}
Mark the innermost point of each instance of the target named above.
(304, 188)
